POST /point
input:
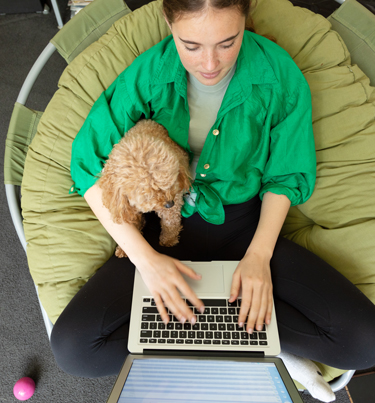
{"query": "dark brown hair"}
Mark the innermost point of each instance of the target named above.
(174, 9)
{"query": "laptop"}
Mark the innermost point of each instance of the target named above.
(212, 360)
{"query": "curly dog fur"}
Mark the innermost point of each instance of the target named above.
(146, 171)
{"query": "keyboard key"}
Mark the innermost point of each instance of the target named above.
(254, 336)
(170, 326)
(180, 341)
(200, 335)
(178, 326)
(262, 336)
(143, 340)
(146, 300)
(234, 303)
(187, 326)
(191, 334)
(263, 343)
(207, 341)
(210, 318)
(158, 318)
(227, 319)
(148, 318)
(174, 334)
(244, 335)
(153, 302)
(152, 340)
(244, 342)
(223, 311)
(161, 326)
(170, 341)
(226, 335)
(225, 342)
(161, 341)
(201, 318)
(165, 334)
(214, 302)
(209, 335)
(157, 333)
(230, 326)
(235, 342)
(146, 333)
(206, 311)
(232, 311)
(197, 341)
(214, 311)
(196, 326)
(153, 325)
(204, 326)
(235, 335)
(253, 343)
(189, 341)
(144, 325)
(218, 335)
(222, 326)
(182, 334)
(149, 309)
(216, 341)
(219, 319)
(213, 326)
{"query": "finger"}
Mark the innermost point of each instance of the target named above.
(190, 295)
(262, 312)
(187, 270)
(236, 285)
(269, 307)
(245, 306)
(161, 308)
(254, 310)
(177, 306)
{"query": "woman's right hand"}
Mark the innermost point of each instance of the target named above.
(163, 277)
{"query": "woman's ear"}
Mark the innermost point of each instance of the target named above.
(166, 20)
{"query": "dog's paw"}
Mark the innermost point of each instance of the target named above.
(168, 242)
(120, 253)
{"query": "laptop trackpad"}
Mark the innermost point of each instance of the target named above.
(212, 280)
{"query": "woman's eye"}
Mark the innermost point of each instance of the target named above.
(228, 46)
(191, 49)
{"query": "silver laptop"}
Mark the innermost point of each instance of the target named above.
(216, 329)
(211, 361)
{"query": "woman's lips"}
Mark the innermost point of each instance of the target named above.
(210, 76)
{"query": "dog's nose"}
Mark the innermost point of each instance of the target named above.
(169, 204)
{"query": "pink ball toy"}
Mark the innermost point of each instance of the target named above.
(24, 388)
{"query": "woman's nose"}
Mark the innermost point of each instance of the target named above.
(210, 61)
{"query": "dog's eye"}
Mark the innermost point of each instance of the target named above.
(169, 204)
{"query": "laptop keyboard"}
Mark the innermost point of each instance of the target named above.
(218, 325)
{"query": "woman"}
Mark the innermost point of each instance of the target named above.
(238, 103)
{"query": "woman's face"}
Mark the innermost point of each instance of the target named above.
(208, 43)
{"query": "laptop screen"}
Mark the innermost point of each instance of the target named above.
(186, 381)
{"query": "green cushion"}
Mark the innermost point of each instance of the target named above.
(358, 37)
(66, 244)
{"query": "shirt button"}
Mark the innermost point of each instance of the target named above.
(215, 132)
(203, 175)
(206, 166)
(72, 189)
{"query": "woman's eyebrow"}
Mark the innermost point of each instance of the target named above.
(196, 43)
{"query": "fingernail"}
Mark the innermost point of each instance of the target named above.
(240, 324)
(250, 331)
(193, 320)
(259, 327)
(201, 309)
(183, 320)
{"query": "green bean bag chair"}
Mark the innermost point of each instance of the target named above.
(67, 244)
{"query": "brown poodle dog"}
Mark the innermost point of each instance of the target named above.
(146, 171)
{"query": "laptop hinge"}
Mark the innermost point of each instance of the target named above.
(200, 353)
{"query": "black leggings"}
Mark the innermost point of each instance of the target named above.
(320, 314)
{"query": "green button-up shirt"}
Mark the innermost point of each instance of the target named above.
(261, 141)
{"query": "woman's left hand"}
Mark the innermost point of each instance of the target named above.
(253, 275)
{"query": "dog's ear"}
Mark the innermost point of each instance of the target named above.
(117, 202)
(184, 178)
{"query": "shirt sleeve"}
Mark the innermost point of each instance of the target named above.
(291, 166)
(111, 115)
